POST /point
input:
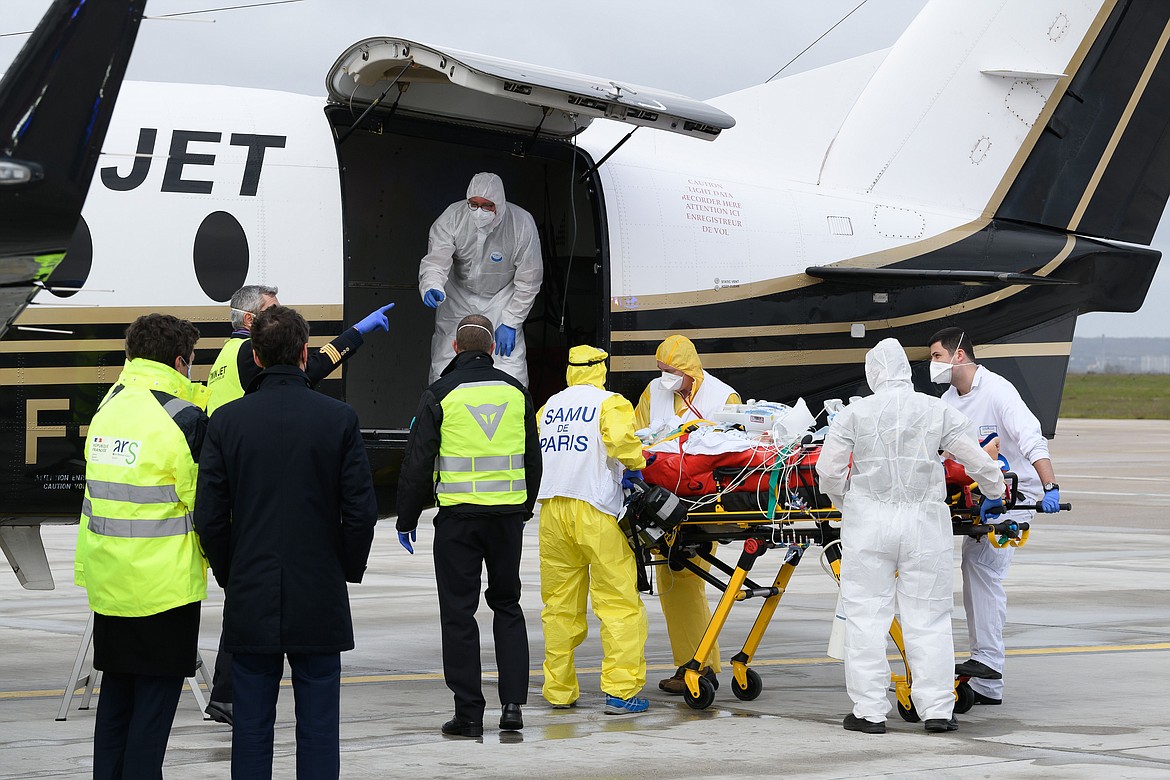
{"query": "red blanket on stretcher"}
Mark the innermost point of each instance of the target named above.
(693, 475)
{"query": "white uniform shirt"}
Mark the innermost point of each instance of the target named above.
(576, 464)
(713, 394)
(994, 406)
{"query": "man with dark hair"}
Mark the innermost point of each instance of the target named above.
(1003, 422)
(232, 373)
(286, 514)
(474, 445)
(137, 554)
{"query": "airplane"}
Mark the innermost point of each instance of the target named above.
(1002, 168)
(56, 102)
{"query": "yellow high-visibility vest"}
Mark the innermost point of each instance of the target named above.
(137, 551)
(481, 446)
(224, 380)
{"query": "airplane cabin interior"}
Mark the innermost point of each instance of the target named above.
(398, 175)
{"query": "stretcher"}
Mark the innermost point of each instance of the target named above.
(791, 515)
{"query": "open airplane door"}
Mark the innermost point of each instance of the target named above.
(486, 91)
(413, 124)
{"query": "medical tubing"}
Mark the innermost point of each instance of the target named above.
(824, 559)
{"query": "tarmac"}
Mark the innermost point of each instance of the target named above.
(1088, 675)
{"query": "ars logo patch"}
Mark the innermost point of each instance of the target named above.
(114, 452)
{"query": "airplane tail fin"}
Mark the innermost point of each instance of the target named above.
(56, 100)
(1049, 112)
(1101, 165)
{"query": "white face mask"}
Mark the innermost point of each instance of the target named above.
(940, 373)
(482, 217)
(671, 382)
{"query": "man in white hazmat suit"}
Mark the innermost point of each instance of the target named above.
(896, 535)
(483, 257)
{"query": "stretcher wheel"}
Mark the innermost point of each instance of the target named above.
(909, 715)
(755, 686)
(964, 697)
(704, 699)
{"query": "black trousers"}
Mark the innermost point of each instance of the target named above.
(221, 679)
(316, 682)
(462, 547)
(134, 717)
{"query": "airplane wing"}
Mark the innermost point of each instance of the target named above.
(56, 100)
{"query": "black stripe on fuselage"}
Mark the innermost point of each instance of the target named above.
(1001, 246)
(1127, 202)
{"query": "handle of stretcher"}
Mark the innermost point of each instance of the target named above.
(1007, 528)
(1037, 507)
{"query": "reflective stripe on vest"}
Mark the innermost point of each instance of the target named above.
(134, 494)
(481, 446)
(224, 380)
(137, 529)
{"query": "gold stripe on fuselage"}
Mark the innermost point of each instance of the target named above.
(113, 315)
(828, 357)
(750, 331)
(99, 375)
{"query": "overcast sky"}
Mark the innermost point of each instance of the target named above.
(696, 47)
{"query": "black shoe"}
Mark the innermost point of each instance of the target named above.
(462, 728)
(854, 723)
(511, 719)
(221, 711)
(675, 685)
(981, 699)
(935, 725)
(973, 668)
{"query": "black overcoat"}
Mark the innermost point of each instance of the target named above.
(285, 511)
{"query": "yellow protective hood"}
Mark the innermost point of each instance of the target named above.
(586, 366)
(679, 352)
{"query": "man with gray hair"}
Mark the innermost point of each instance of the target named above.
(234, 368)
(233, 371)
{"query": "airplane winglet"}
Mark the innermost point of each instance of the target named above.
(56, 100)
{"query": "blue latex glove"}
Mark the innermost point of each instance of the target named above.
(433, 298)
(405, 540)
(987, 506)
(505, 340)
(631, 474)
(1051, 501)
(375, 320)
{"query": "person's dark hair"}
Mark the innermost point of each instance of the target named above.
(474, 332)
(278, 336)
(953, 339)
(161, 338)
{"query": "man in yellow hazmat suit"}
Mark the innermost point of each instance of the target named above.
(684, 392)
(589, 449)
